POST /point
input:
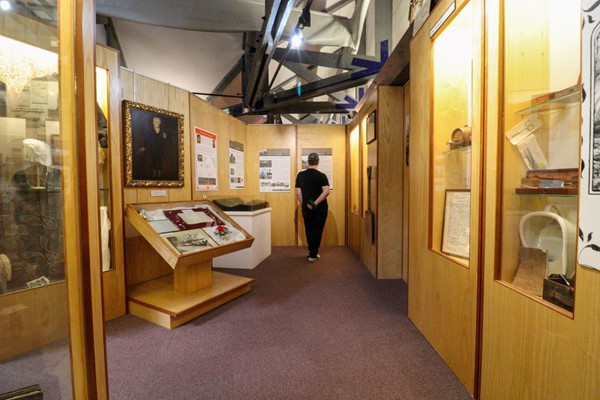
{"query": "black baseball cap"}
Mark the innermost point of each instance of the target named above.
(313, 159)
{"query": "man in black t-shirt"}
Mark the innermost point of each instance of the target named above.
(312, 189)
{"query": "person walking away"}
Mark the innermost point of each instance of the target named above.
(312, 189)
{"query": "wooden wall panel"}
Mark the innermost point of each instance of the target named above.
(210, 118)
(390, 181)
(33, 318)
(150, 92)
(327, 136)
(353, 232)
(113, 281)
(179, 102)
(530, 351)
(368, 251)
(283, 214)
(386, 155)
(353, 205)
(406, 185)
(28, 30)
(442, 294)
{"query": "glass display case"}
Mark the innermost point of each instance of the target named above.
(31, 230)
(450, 148)
(186, 236)
(184, 230)
(539, 152)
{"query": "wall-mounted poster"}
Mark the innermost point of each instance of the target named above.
(589, 192)
(236, 165)
(274, 170)
(325, 162)
(205, 156)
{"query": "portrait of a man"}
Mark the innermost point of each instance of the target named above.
(153, 144)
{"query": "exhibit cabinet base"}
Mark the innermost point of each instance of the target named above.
(258, 224)
(158, 302)
(186, 236)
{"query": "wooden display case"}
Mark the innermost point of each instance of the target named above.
(451, 139)
(187, 236)
(539, 152)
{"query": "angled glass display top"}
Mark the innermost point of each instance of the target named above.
(192, 231)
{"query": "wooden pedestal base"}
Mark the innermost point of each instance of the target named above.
(157, 301)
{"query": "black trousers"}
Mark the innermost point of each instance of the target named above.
(314, 222)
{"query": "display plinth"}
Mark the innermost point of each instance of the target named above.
(258, 224)
(158, 302)
(187, 236)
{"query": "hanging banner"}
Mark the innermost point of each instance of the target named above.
(325, 162)
(236, 165)
(589, 185)
(274, 170)
(205, 156)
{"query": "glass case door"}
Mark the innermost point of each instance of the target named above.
(49, 345)
(451, 161)
(33, 292)
(539, 150)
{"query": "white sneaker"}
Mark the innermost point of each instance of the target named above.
(318, 255)
(311, 259)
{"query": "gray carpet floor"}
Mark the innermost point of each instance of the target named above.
(321, 330)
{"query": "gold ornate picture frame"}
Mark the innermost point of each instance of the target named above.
(154, 146)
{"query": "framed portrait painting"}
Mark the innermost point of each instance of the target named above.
(153, 146)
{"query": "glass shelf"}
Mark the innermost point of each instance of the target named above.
(568, 100)
(463, 149)
(546, 195)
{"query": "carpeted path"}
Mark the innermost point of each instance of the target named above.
(322, 330)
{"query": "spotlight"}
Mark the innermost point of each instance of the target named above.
(297, 38)
(5, 5)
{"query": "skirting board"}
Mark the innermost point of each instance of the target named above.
(156, 301)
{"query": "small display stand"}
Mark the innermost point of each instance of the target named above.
(187, 236)
(258, 224)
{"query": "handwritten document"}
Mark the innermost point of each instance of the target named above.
(457, 213)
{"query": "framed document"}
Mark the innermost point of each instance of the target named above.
(371, 127)
(455, 231)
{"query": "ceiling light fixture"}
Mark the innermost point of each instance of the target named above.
(297, 38)
(5, 5)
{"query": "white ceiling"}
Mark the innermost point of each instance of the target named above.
(198, 60)
(191, 60)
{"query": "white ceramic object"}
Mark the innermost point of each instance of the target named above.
(550, 231)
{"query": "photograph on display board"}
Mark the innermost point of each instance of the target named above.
(153, 146)
(189, 241)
